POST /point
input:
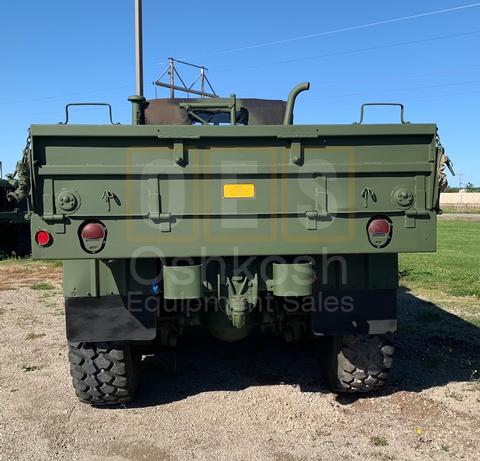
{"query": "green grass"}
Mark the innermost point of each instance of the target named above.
(42, 286)
(461, 209)
(31, 262)
(379, 441)
(455, 267)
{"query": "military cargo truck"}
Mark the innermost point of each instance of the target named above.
(222, 213)
(14, 220)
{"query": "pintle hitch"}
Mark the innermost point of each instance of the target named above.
(242, 298)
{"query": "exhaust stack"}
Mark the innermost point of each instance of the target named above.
(288, 120)
(138, 101)
(138, 48)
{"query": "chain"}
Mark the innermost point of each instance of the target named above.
(28, 144)
(439, 142)
(445, 159)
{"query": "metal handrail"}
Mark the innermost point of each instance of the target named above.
(362, 109)
(88, 104)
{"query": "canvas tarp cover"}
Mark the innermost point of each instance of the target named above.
(169, 112)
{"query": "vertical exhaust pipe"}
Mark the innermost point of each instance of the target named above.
(288, 119)
(138, 101)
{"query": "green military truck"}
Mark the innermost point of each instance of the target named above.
(14, 220)
(222, 213)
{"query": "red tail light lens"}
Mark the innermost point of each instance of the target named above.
(43, 238)
(93, 230)
(379, 226)
(379, 231)
(92, 236)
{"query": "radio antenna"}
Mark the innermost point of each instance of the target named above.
(177, 83)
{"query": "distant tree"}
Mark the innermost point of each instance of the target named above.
(451, 189)
(469, 187)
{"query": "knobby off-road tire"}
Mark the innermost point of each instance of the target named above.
(103, 373)
(358, 363)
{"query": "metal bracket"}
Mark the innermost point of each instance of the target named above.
(320, 211)
(296, 153)
(53, 217)
(154, 213)
(179, 153)
(49, 214)
(312, 218)
(58, 222)
(153, 199)
(412, 214)
(165, 220)
(229, 105)
(48, 198)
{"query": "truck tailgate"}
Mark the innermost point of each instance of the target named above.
(246, 190)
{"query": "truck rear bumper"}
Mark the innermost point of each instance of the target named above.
(329, 312)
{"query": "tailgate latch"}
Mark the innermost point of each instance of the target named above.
(320, 211)
(420, 210)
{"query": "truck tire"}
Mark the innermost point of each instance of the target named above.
(358, 363)
(103, 373)
(23, 246)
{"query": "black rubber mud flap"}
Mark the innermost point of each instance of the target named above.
(343, 312)
(110, 318)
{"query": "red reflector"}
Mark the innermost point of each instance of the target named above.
(43, 238)
(379, 227)
(93, 230)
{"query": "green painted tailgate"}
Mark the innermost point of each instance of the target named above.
(160, 190)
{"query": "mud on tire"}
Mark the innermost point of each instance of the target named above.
(358, 363)
(103, 373)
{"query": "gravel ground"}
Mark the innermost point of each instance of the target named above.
(259, 399)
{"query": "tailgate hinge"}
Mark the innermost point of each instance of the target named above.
(49, 215)
(58, 221)
(165, 221)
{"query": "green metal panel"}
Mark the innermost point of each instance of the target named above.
(292, 279)
(159, 189)
(94, 278)
(182, 282)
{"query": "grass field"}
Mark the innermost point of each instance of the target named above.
(454, 269)
(461, 209)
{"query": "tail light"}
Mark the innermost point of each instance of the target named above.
(379, 231)
(93, 235)
(43, 238)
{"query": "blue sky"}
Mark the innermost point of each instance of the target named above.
(54, 52)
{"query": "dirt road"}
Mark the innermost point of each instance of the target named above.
(258, 399)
